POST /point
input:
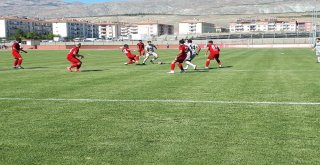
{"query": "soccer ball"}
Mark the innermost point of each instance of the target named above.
(160, 63)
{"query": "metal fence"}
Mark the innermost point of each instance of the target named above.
(226, 38)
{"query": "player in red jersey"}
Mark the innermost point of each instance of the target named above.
(181, 57)
(140, 46)
(132, 57)
(16, 49)
(73, 58)
(214, 54)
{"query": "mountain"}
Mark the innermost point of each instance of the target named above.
(59, 8)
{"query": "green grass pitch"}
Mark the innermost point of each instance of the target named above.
(222, 116)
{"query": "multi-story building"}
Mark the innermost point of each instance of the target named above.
(271, 25)
(303, 26)
(195, 27)
(127, 30)
(9, 25)
(155, 29)
(109, 30)
(75, 29)
(283, 26)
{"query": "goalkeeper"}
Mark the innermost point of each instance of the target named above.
(74, 58)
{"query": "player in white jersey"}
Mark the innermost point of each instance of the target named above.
(150, 48)
(317, 49)
(194, 50)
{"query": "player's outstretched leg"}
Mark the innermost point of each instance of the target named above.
(146, 58)
(15, 63)
(207, 63)
(19, 66)
(181, 67)
(172, 66)
(191, 64)
(219, 62)
(78, 66)
(155, 57)
(72, 66)
(136, 58)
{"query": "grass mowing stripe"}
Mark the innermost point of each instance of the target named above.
(164, 101)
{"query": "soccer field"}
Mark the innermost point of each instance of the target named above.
(263, 107)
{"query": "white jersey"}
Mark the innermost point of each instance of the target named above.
(193, 47)
(150, 48)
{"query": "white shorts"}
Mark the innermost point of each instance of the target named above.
(151, 54)
(190, 56)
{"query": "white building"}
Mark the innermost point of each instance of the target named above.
(195, 27)
(271, 25)
(155, 29)
(75, 29)
(109, 30)
(126, 31)
(8, 26)
(286, 26)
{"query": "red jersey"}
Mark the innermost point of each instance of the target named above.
(127, 51)
(184, 49)
(213, 48)
(16, 47)
(140, 46)
(73, 52)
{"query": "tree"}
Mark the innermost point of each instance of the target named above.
(18, 33)
(50, 36)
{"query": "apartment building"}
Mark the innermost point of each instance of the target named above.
(75, 29)
(127, 30)
(155, 29)
(195, 27)
(8, 26)
(109, 30)
(269, 25)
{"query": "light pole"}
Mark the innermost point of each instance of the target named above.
(314, 22)
(91, 30)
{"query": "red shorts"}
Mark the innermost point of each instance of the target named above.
(141, 50)
(16, 55)
(73, 60)
(213, 56)
(181, 59)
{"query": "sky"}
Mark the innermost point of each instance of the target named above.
(90, 1)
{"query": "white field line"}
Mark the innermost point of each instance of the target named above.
(163, 101)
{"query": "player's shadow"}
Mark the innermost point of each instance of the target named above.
(211, 68)
(37, 67)
(227, 67)
(94, 70)
(200, 70)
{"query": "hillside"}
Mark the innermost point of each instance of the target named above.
(59, 8)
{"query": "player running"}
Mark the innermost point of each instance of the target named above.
(132, 57)
(16, 49)
(150, 48)
(140, 46)
(181, 57)
(194, 51)
(214, 54)
(74, 58)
